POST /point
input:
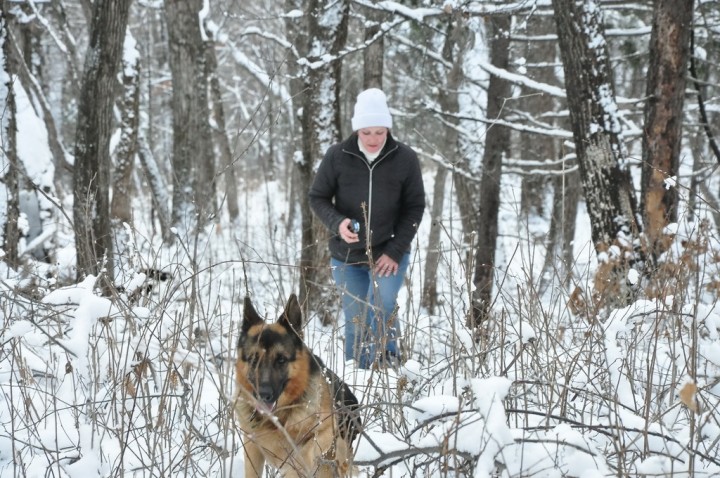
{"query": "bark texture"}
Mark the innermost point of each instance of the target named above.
(606, 180)
(456, 44)
(10, 174)
(121, 205)
(91, 206)
(193, 159)
(327, 34)
(497, 144)
(219, 128)
(374, 52)
(669, 54)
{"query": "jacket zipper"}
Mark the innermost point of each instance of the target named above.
(370, 167)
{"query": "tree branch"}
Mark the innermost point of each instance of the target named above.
(701, 102)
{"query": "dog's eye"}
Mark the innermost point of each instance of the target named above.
(252, 360)
(281, 360)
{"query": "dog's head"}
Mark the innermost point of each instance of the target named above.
(273, 362)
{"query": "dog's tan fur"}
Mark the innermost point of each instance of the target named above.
(301, 434)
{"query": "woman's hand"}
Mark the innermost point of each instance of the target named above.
(385, 266)
(346, 232)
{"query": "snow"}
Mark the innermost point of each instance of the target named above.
(202, 16)
(91, 380)
(294, 14)
(72, 294)
(94, 385)
(31, 138)
(130, 56)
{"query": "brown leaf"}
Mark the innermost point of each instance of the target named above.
(687, 396)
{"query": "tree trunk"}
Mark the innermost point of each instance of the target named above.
(222, 142)
(669, 54)
(63, 168)
(121, 211)
(158, 186)
(605, 176)
(295, 32)
(327, 33)
(566, 182)
(121, 205)
(373, 54)
(606, 180)
(453, 52)
(193, 161)
(559, 256)
(91, 207)
(535, 186)
(466, 187)
(11, 175)
(497, 143)
(432, 260)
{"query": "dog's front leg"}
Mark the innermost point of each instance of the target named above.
(322, 455)
(254, 460)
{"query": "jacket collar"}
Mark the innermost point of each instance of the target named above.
(351, 145)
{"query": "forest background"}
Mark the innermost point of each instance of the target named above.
(560, 313)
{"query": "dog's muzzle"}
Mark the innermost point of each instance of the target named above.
(265, 399)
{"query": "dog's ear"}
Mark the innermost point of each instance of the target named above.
(250, 316)
(291, 317)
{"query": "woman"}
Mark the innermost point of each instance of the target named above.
(368, 191)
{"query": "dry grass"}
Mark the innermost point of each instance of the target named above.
(144, 389)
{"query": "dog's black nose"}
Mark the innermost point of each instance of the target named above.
(266, 394)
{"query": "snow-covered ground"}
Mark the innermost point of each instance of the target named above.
(141, 385)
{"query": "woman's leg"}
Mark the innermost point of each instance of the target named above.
(383, 294)
(352, 281)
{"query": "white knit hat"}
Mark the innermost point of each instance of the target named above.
(371, 110)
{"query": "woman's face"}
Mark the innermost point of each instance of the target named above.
(373, 138)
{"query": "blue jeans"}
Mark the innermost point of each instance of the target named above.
(368, 303)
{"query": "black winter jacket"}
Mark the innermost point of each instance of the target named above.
(388, 194)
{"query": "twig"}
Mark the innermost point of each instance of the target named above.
(701, 103)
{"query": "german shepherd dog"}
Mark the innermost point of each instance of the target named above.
(294, 413)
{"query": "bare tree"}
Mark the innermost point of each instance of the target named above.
(158, 186)
(457, 41)
(8, 139)
(541, 57)
(91, 206)
(669, 54)
(120, 207)
(31, 84)
(465, 175)
(219, 129)
(192, 157)
(606, 180)
(497, 144)
(534, 186)
(374, 52)
(326, 36)
(125, 153)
